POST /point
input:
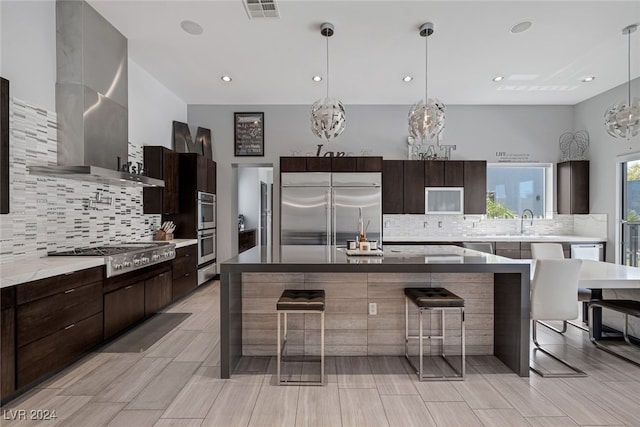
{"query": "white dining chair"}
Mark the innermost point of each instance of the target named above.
(554, 294)
(554, 251)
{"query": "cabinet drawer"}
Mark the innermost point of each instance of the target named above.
(53, 351)
(7, 352)
(123, 308)
(42, 317)
(185, 261)
(508, 245)
(56, 284)
(509, 253)
(184, 284)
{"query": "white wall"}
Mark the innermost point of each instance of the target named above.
(478, 131)
(152, 109)
(249, 197)
(605, 152)
(28, 50)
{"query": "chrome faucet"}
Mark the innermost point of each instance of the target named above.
(522, 216)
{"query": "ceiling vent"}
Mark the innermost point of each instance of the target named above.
(261, 8)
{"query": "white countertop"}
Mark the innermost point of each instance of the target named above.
(15, 273)
(496, 238)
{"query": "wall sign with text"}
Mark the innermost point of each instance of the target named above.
(249, 134)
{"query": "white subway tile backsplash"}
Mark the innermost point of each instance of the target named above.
(49, 214)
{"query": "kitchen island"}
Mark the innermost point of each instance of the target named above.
(497, 285)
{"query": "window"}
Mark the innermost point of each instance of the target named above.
(512, 189)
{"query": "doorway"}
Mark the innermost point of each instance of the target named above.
(255, 206)
(630, 213)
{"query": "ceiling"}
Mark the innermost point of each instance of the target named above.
(376, 43)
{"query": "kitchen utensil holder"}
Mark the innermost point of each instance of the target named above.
(163, 235)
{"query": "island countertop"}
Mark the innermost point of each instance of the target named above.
(406, 257)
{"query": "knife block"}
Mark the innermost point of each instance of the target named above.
(163, 235)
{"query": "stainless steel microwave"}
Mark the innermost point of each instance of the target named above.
(443, 200)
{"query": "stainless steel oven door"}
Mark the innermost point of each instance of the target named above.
(206, 210)
(206, 246)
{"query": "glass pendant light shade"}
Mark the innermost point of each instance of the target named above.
(426, 121)
(623, 119)
(328, 117)
(426, 118)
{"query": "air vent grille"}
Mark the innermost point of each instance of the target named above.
(261, 8)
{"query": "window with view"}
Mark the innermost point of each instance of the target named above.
(512, 189)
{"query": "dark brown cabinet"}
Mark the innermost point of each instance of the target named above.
(157, 292)
(123, 308)
(331, 164)
(413, 178)
(185, 271)
(211, 176)
(573, 187)
(475, 187)
(246, 240)
(443, 173)
(392, 187)
(57, 320)
(161, 163)
(7, 341)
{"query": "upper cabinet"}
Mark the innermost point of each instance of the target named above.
(444, 173)
(161, 163)
(331, 164)
(573, 187)
(475, 187)
(403, 183)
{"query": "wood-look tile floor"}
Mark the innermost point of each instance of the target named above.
(176, 383)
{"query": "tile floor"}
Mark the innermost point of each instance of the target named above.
(176, 383)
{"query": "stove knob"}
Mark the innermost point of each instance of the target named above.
(155, 257)
(136, 262)
(145, 260)
(171, 253)
(126, 264)
(117, 266)
(165, 254)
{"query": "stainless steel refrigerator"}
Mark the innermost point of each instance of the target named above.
(323, 208)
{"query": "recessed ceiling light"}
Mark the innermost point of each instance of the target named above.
(226, 79)
(191, 27)
(407, 79)
(498, 78)
(589, 79)
(521, 27)
(316, 78)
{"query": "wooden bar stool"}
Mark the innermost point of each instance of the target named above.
(300, 301)
(428, 299)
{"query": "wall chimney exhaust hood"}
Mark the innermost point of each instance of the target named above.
(91, 99)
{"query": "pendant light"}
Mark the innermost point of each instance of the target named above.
(327, 115)
(426, 119)
(623, 120)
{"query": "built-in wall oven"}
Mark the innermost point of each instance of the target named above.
(207, 267)
(206, 210)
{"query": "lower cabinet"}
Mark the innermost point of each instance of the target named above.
(57, 320)
(53, 351)
(157, 292)
(122, 308)
(185, 271)
(7, 341)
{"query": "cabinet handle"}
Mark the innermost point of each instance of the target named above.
(186, 274)
(69, 273)
(70, 326)
(186, 255)
(129, 287)
(68, 291)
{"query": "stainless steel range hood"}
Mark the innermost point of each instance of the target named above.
(91, 99)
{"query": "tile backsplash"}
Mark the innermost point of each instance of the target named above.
(412, 227)
(51, 214)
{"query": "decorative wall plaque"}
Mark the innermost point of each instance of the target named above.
(249, 134)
